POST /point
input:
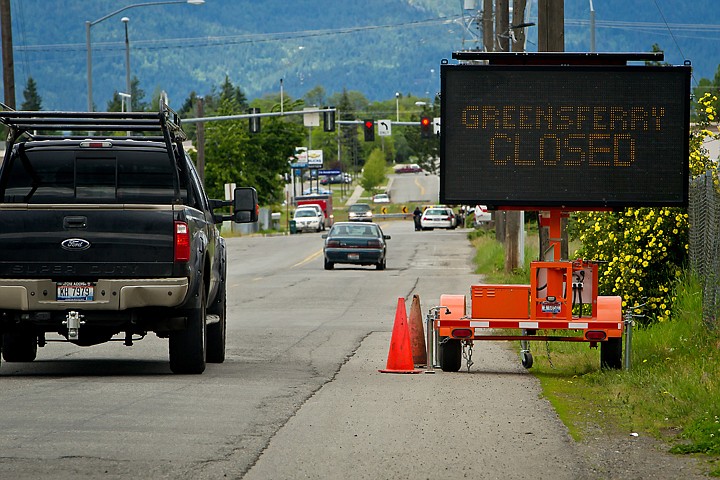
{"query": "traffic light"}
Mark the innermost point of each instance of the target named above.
(425, 127)
(254, 121)
(329, 120)
(369, 128)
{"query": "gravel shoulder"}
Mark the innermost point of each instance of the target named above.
(488, 423)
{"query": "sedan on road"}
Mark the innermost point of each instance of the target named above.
(307, 219)
(357, 244)
(360, 212)
(437, 217)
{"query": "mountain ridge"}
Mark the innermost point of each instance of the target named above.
(375, 47)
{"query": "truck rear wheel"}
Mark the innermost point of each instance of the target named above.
(611, 354)
(450, 355)
(187, 347)
(19, 347)
(216, 332)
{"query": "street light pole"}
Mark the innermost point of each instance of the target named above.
(397, 105)
(89, 24)
(128, 87)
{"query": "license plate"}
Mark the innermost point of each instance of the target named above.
(551, 307)
(75, 292)
(353, 256)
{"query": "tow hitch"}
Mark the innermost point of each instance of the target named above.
(73, 322)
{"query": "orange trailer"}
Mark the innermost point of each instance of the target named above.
(562, 295)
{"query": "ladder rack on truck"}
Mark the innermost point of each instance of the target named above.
(555, 132)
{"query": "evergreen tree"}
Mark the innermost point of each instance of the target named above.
(32, 102)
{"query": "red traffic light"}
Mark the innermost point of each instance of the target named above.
(425, 126)
(369, 130)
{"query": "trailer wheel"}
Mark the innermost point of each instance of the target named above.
(450, 355)
(526, 359)
(611, 354)
(19, 347)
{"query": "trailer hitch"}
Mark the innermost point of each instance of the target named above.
(73, 322)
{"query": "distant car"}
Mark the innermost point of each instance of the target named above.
(317, 191)
(318, 211)
(437, 217)
(307, 219)
(381, 198)
(360, 212)
(340, 178)
(357, 244)
(408, 168)
(482, 215)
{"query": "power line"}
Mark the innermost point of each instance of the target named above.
(236, 39)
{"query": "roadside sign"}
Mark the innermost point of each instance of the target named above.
(383, 210)
(299, 165)
(436, 125)
(329, 172)
(315, 158)
(229, 191)
(384, 128)
(404, 209)
(311, 119)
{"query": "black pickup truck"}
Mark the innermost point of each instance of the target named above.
(106, 233)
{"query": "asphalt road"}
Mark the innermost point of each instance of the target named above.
(299, 395)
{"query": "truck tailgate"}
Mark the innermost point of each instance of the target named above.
(98, 241)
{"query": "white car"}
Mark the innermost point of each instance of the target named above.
(482, 215)
(307, 219)
(437, 217)
(381, 198)
(318, 211)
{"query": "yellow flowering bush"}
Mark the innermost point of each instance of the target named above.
(643, 250)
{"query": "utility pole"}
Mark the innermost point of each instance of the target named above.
(551, 38)
(502, 25)
(502, 44)
(7, 54)
(488, 22)
(551, 25)
(515, 219)
(200, 134)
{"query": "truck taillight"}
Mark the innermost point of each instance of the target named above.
(182, 242)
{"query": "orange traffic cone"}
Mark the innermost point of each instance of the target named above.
(400, 358)
(417, 334)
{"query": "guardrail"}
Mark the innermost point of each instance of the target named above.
(393, 215)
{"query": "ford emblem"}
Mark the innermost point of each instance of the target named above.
(75, 244)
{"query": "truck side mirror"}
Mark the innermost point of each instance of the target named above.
(245, 205)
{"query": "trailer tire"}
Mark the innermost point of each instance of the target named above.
(450, 355)
(19, 347)
(526, 359)
(611, 354)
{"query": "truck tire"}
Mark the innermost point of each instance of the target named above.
(450, 356)
(19, 347)
(187, 347)
(611, 354)
(216, 332)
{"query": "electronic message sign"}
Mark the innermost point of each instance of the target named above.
(564, 136)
